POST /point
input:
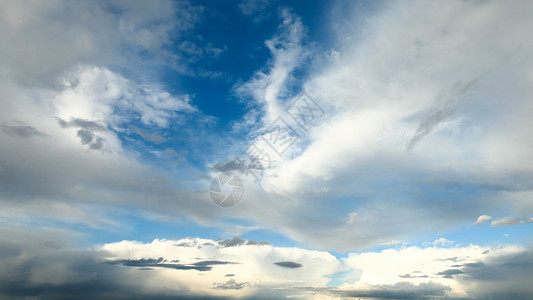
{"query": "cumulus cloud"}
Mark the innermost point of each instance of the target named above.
(95, 93)
(237, 241)
(199, 268)
(482, 219)
(231, 284)
(82, 94)
(446, 269)
(89, 111)
(45, 264)
(252, 265)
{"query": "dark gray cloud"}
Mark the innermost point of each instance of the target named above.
(8, 250)
(454, 259)
(161, 263)
(413, 276)
(474, 265)
(20, 129)
(288, 264)
(237, 241)
(502, 277)
(450, 273)
(81, 123)
(233, 165)
(88, 138)
(43, 264)
(401, 290)
(213, 262)
(86, 131)
(85, 136)
(231, 284)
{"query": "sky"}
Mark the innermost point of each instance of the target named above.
(266, 149)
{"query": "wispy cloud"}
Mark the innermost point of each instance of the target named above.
(268, 88)
(511, 221)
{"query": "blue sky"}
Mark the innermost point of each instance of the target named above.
(266, 149)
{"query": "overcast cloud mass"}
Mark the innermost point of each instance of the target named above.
(266, 149)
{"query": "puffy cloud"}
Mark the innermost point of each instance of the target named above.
(46, 263)
(237, 241)
(89, 111)
(252, 265)
(70, 72)
(482, 219)
(448, 270)
(98, 94)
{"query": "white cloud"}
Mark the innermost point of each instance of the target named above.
(442, 242)
(382, 89)
(415, 124)
(421, 265)
(47, 259)
(399, 75)
(268, 88)
(482, 219)
(511, 221)
(70, 74)
(253, 266)
(95, 93)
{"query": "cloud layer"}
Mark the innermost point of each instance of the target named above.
(423, 127)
